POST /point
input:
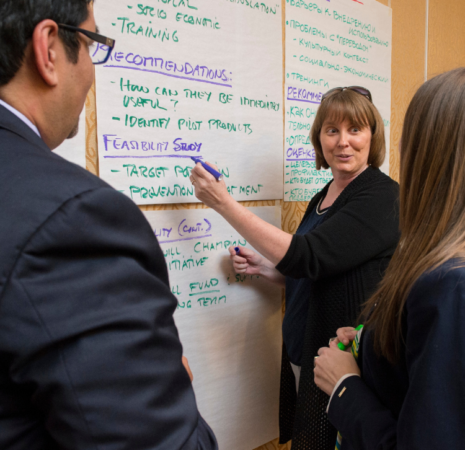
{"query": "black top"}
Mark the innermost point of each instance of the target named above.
(89, 352)
(295, 317)
(344, 259)
(418, 403)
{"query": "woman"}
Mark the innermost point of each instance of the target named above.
(412, 354)
(334, 261)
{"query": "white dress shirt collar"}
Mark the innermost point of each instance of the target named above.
(20, 116)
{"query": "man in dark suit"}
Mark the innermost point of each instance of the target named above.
(89, 352)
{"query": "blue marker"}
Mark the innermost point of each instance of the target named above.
(237, 250)
(216, 174)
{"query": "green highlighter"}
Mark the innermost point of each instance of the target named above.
(345, 347)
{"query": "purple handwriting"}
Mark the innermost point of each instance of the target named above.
(303, 95)
(186, 70)
(185, 228)
(145, 157)
(180, 146)
(163, 232)
(300, 154)
(185, 239)
(113, 142)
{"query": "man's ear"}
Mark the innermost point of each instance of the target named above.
(45, 44)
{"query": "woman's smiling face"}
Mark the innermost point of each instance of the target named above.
(346, 147)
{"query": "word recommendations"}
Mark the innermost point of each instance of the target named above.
(229, 324)
(330, 44)
(190, 78)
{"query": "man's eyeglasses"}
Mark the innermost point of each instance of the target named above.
(361, 90)
(101, 47)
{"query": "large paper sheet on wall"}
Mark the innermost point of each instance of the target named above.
(74, 150)
(229, 325)
(189, 78)
(330, 43)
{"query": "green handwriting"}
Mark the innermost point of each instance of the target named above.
(305, 79)
(263, 104)
(217, 124)
(200, 286)
(161, 191)
(139, 102)
(198, 94)
(133, 121)
(256, 6)
(247, 190)
(218, 245)
(186, 264)
(183, 305)
(202, 21)
(146, 31)
(174, 3)
(145, 172)
(209, 301)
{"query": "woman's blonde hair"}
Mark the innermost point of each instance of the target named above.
(432, 202)
(360, 112)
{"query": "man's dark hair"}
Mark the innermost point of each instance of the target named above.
(18, 19)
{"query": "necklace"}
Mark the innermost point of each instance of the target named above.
(318, 207)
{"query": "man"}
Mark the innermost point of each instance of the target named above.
(89, 353)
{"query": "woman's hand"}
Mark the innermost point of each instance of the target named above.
(251, 263)
(331, 365)
(208, 189)
(247, 261)
(270, 241)
(345, 335)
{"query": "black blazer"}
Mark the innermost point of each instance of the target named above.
(419, 402)
(89, 352)
(345, 258)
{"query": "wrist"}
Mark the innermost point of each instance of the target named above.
(226, 205)
(269, 271)
(336, 386)
(267, 268)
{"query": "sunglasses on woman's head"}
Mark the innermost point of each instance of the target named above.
(359, 89)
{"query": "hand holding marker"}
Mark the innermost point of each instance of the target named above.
(344, 347)
(209, 169)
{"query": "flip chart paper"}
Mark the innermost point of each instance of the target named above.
(191, 78)
(74, 150)
(330, 44)
(229, 325)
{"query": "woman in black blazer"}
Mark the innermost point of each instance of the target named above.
(408, 389)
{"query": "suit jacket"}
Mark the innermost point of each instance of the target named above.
(418, 403)
(89, 353)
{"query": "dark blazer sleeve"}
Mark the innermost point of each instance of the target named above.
(433, 411)
(365, 227)
(96, 345)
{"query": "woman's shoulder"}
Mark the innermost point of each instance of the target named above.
(443, 284)
(452, 270)
(372, 190)
(373, 177)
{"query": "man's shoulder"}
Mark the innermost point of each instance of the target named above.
(31, 173)
(34, 185)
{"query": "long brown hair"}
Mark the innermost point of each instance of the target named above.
(432, 202)
(360, 112)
